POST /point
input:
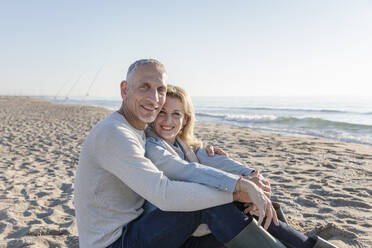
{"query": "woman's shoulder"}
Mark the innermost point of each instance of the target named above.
(154, 142)
(153, 139)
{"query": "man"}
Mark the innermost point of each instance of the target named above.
(114, 178)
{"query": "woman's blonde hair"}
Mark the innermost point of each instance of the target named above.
(187, 132)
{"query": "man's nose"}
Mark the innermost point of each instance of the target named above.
(153, 96)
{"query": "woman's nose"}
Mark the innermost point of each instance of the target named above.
(168, 118)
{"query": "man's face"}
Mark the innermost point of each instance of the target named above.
(144, 94)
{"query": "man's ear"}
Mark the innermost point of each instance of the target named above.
(123, 88)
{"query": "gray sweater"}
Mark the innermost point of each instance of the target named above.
(113, 178)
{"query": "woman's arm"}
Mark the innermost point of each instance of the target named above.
(223, 163)
(176, 168)
(229, 165)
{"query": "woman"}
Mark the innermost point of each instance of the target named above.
(171, 142)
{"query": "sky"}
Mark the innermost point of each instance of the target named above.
(211, 47)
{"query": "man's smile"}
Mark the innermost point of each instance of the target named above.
(150, 108)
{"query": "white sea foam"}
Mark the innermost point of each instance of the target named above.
(240, 117)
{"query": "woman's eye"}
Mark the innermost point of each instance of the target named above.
(177, 114)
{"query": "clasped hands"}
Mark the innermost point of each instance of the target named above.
(253, 190)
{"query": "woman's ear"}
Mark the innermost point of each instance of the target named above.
(185, 121)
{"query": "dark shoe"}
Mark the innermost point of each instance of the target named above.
(321, 243)
(279, 212)
(254, 236)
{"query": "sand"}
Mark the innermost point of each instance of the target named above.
(324, 186)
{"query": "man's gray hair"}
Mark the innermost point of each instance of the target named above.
(134, 66)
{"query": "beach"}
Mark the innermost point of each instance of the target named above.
(324, 186)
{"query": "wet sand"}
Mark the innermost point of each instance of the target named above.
(324, 186)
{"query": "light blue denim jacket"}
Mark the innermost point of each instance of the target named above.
(218, 171)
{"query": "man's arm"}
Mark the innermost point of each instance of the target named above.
(120, 153)
(176, 168)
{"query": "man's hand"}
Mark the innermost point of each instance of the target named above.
(260, 181)
(214, 150)
(247, 191)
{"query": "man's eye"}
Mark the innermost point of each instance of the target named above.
(162, 90)
(162, 112)
(144, 86)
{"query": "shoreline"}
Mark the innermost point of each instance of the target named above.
(324, 186)
(306, 136)
(263, 127)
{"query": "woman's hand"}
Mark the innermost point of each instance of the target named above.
(247, 191)
(214, 150)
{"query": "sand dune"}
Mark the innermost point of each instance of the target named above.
(324, 186)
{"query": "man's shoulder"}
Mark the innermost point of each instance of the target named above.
(114, 122)
(113, 126)
(114, 134)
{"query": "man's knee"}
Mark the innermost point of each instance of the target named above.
(161, 228)
(222, 209)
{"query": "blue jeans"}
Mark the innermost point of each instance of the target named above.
(157, 228)
(173, 229)
(290, 237)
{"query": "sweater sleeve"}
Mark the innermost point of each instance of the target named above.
(176, 168)
(223, 163)
(120, 153)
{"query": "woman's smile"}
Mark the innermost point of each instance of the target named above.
(166, 128)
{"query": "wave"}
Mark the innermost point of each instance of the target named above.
(305, 110)
(312, 122)
(240, 118)
(309, 126)
(339, 136)
(321, 123)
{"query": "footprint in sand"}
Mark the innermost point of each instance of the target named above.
(349, 203)
(325, 210)
(306, 202)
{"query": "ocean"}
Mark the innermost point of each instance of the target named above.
(347, 118)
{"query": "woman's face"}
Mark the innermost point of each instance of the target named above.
(170, 120)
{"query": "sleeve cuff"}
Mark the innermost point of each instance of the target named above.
(229, 183)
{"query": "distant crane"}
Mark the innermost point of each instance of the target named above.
(60, 89)
(73, 86)
(94, 79)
